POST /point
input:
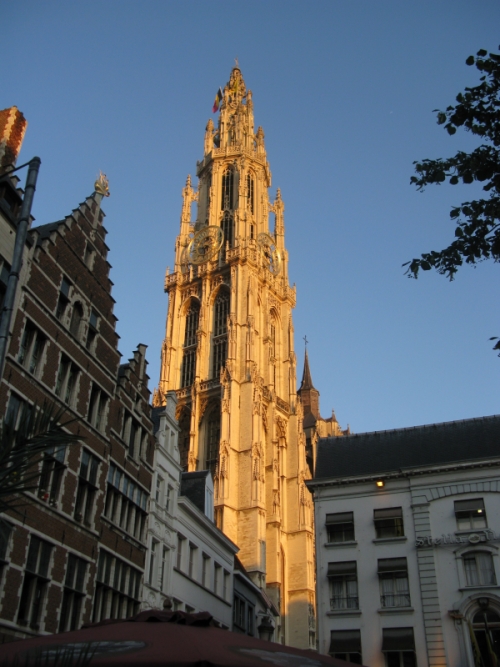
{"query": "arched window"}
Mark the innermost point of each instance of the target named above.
(250, 193)
(190, 343)
(221, 313)
(76, 318)
(227, 190)
(486, 625)
(227, 226)
(212, 440)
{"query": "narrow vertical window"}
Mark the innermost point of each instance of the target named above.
(76, 319)
(35, 583)
(213, 439)
(227, 190)
(190, 343)
(221, 313)
(227, 226)
(74, 594)
(250, 193)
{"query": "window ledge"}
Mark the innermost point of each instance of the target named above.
(344, 612)
(334, 545)
(480, 587)
(384, 540)
(395, 610)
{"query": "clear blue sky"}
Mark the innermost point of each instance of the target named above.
(345, 93)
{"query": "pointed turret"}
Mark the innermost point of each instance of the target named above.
(309, 395)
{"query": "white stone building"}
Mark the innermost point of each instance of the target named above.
(407, 545)
(190, 561)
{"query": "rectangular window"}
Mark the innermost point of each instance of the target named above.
(479, 569)
(35, 583)
(97, 408)
(4, 279)
(470, 514)
(225, 585)
(398, 644)
(168, 499)
(343, 585)
(92, 330)
(126, 503)
(205, 570)
(250, 620)
(389, 522)
(5, 533)
(67, 377)
(87, 487)
(188, 367)
(192, 559)
(52, 473)
(152, 562)
(30, 352)
(63, 300)
(340, 527)
(180, 546)
(159, 486)
(239, 613)
(217, 569)
(393, 578)
(117, 588)
(18, 412)
(164, 568)
(73, 595)
(346, 645)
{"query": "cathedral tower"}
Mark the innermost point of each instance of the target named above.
(229, 354)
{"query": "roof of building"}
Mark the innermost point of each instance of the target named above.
(307, 382)
(381, 452)
(193, 486)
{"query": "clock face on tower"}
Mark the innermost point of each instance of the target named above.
(270, 253)
(205, 244)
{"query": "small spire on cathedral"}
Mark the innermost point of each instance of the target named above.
(188, 181)
(307, 382)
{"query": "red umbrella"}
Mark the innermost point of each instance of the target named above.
(160, 638)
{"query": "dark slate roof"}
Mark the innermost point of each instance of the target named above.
(387, 451)
(193, 486)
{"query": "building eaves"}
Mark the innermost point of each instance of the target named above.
(385, 452)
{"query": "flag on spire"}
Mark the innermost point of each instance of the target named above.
(217, 101)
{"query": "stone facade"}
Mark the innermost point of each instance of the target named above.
(229, 354)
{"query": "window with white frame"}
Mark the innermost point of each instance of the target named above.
(159, 488)
(152, 562)
(393, 578)
(479, 569)
(205, 570)
(180, 549)
(63, 300)
(340, 527)
(31, 350)
(398, 645)
(76, 320)
(343, 581)
(470, 514)
(486, 627)
(346, 645)
(169, 498)
(74, 594)
(217, 572)
(164, 568)
(35, 583)
(192, 560)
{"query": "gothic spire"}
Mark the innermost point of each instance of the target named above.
(307, 382)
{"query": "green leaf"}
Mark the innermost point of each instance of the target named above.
(451, 129)
(425, 266)
(470, 60)
(454, 180)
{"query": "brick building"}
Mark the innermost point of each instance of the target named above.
(76, 553)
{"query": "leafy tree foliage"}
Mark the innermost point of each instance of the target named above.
(477, 232)
(23, 445)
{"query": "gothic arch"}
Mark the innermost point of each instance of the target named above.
(211, 437)
(219, 338)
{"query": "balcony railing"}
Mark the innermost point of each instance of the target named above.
(338, 602)
(395, 600)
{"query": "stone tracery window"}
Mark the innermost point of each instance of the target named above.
(227, 226)
(190, 343)
(250, 192)
(227, 190)
(221, 313)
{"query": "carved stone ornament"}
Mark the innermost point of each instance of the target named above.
(264, 418)
(202, 407)
(256, 408)
(225, 405)
(281, 426)
(192, 461)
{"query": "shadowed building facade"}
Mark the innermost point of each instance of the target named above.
(229, 354)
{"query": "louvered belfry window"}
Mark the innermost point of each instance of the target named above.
(190, 343)
(227, 190)
(221, 313)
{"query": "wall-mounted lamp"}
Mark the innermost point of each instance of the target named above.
(380, 483)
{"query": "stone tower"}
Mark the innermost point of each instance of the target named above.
(229, 354)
